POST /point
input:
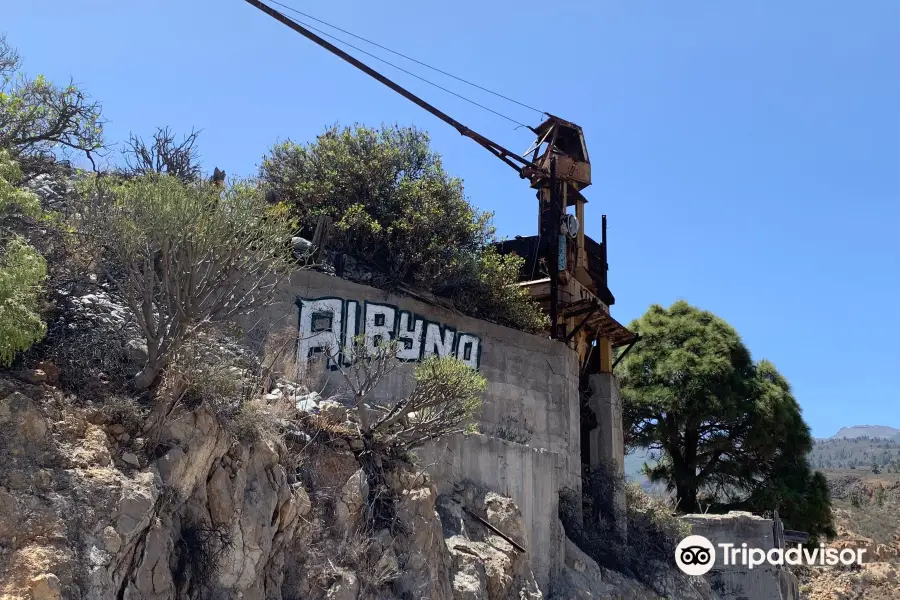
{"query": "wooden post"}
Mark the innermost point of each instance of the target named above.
(604, 345)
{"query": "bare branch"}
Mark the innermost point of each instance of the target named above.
(163, 155)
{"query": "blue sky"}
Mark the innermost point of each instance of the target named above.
(746, 153)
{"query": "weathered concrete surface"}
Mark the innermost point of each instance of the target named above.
(526, 475)
(607, 442)
(532, 381)
(763, 582)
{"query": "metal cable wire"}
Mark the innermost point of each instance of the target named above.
(400, 54)
(349, 45)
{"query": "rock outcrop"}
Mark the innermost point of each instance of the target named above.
(74, 524)
(191, 513)
(93, 506)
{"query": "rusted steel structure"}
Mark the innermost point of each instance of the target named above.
(567, 270)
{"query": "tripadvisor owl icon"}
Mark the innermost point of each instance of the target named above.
(695, 555)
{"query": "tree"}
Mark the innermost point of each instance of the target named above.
(163, 155)
(787, 482)
(727, 427)
(185, 255)
(22, 269)
(685, 390)
(394, 205)
(37, 116)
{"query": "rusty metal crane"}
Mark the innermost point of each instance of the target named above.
(575, 292)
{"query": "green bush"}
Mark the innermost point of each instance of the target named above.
(393, 205)
(23, 270)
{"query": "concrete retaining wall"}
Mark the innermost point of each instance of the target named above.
(525, 474)
(532, 395)
(765, 582)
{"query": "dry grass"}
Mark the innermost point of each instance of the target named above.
(279, 361)
(125, 411)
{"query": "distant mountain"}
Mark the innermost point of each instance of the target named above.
(862, 449)
(870, 431)
(865, 448)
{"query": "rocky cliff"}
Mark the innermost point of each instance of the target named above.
(93, 506)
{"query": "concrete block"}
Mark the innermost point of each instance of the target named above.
(607, 440)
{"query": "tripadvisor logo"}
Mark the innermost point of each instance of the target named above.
(696, 555)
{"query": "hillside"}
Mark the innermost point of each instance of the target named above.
(859, 453)
(856, 448)
(866, 510)
(871, 431)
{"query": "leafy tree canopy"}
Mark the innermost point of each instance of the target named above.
(394, 205)
(37, 116)
(728, 428)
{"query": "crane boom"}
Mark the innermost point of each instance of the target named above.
(525, 167)
(559, 170)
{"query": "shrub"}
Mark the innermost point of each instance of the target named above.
(446, 396)
(199, 550)
(392, 203)
(127, 412)
(185, 255)
(23, 270)
(95, 348)
(653, 529)
(212, 369)
(163, 155)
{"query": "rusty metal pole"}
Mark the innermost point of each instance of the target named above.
(553, 249)
(603, 246)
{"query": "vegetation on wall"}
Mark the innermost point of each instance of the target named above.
(393, 205)
(730, 431)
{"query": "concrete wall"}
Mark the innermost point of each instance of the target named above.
(532, 392)
(764, 582)
(525, 474)
(532, 396)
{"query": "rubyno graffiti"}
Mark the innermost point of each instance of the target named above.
(329, 324)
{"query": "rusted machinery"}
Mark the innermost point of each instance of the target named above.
(565, 270)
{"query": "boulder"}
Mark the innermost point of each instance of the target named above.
(309, 403)
(352, 498)
(46, 587)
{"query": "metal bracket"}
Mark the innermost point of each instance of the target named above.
(637, 338)
(578, 327)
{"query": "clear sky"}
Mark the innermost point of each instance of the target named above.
(746, 153)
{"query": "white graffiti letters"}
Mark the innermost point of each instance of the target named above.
(320, 327)
(327, 324)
